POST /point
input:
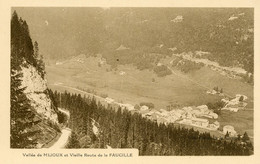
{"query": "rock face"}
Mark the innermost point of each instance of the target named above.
(35, 91)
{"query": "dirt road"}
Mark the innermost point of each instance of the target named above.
(61, 143)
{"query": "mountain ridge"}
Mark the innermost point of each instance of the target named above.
(225, 32)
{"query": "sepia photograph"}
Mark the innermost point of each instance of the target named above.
(167, 81)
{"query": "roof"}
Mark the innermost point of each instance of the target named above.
(199, 119)
(122, 47)
(228, 127)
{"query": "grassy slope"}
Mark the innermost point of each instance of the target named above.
(133, 87)
(232, 87)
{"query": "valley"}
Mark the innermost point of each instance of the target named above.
(129, 85)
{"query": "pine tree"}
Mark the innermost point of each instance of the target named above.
(245, 137)
(241, 98)
(36, 50)
(40, 65)
(22, 116)
(16, 50)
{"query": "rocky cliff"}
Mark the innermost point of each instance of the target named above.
(36, 91)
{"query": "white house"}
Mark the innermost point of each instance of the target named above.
(230, 130)
(121, 73)
(58, 63)
(177, 19)
(232, 18)
(144, 107)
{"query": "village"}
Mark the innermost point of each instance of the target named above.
(200, 116)
(197, 57)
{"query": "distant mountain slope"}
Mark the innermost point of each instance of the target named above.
(227, 33)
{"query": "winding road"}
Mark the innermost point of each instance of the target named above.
(65, 134)
(61, 143)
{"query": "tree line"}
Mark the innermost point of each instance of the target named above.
(23, 117)
(120, 128)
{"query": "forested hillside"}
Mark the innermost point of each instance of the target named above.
(226, 33)
(96, 126)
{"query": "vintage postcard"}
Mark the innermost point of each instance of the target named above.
(130, 82)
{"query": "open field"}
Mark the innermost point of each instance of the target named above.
(129, 85)
(230, 86)
(133, 87)
(209, 78)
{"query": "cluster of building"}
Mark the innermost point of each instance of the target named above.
(214, 92)
(178, 19)
(194, 116)
(235, 104)
(186, 115)
(201, 123)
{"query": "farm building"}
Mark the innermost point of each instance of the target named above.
(200, 122)
(186, 121)
(214, 126)
(235, 104)
(109, 100)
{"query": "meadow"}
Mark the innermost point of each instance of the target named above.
(126, 84)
